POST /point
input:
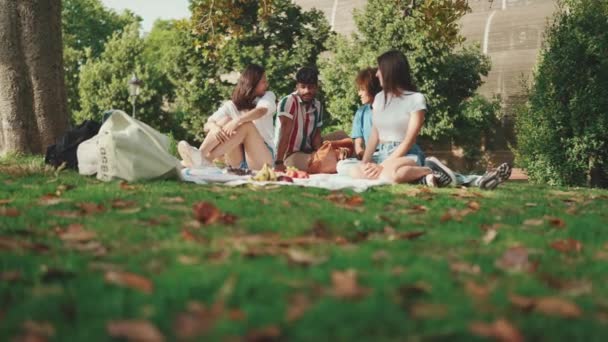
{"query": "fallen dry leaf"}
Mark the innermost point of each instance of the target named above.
(9, 212)
(567, 245)
(5, 201)
(494, 226)
(67, 213)
(187, 235)
(345, 285)
(76, 233)
(93, 247)
(35, 332)
(123, 204)
(10, 276)
(515, 259)
(298, 305)
(568, 287)
(555, 221)
(11, 244)
(455, 214)
(131, 280)
(300, 257)
(489, 236)
(39, 328)
(420, 192)
(89, 208)
(126, 186)
(552, 306)
(477, 291)
(320, 230)
(172, 200)
(345, 201)
(407, 235)
(266, 334)
(428, 310)
(134, 330)
(198, 320)
(463, 267)
(474, 205)
(501, 330)
(601, 256)
(417, 209)
(534, 222)
(465, 192)
(188, 260)
(50, 200)
(380, 255)
(206, 212)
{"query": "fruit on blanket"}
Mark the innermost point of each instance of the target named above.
(285, 179)
(303, 174)
(295, 173)
(266, 174)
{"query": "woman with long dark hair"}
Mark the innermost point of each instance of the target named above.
(391, 152)
(242, 129)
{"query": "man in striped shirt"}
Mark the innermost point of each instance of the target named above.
(299, 122)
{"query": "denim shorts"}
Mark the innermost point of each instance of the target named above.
(244, 162)
(382, 153)
(384, 150)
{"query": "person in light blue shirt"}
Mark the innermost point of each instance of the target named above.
(369, 86)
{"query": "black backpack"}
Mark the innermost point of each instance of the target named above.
(64, 151)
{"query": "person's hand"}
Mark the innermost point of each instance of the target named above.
(372, 170)
(219, 133)
(279, 167)
(231, 126)
(342, 153)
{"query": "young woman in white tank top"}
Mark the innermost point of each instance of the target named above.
(242, 129)
(398, 116)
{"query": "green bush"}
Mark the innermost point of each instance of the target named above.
(86, 26)
(104, 82)
(562, 131)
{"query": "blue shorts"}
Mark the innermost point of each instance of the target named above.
(244, 162)
(384, 150)
(382, 153)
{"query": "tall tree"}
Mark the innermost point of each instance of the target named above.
(87, 25)
(33, 107)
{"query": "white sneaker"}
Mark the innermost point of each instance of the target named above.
(191, 156)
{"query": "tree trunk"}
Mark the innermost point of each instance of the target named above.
(18, 126)
(33, 107)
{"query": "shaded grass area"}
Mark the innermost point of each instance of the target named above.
(420, 267)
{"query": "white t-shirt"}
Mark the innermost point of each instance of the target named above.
(392, 118)
(265, 124)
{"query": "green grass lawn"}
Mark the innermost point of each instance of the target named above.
(82, 260)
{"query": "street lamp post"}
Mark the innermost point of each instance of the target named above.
(134, 90)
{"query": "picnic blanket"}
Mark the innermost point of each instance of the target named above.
(324, 181)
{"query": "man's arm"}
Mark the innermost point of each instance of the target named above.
(284, 133)
(317, 141)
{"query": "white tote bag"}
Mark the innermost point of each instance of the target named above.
(131, 150)
(88, 158)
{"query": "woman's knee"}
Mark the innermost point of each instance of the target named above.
(401, 174)
(247, 126)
